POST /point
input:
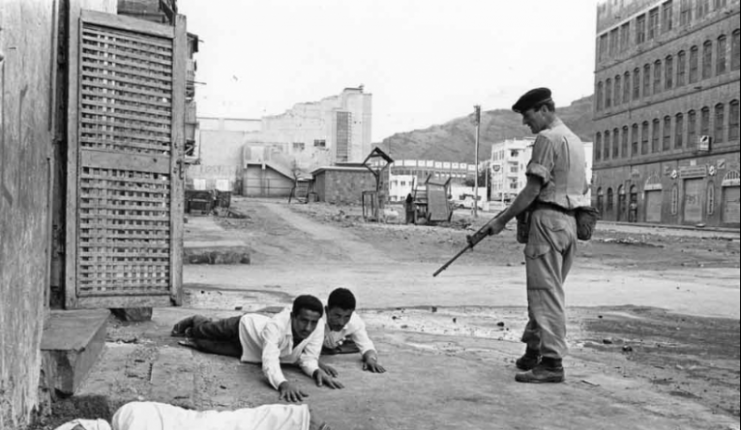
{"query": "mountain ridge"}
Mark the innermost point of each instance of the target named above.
(454, 140)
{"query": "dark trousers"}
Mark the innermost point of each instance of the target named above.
(217, 337)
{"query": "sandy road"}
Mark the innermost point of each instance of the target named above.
(463, 339)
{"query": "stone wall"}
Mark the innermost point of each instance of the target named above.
(343, 186)
(26, 124)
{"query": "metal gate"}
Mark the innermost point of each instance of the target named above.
(125, 187)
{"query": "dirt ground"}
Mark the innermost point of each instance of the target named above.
(653, 325)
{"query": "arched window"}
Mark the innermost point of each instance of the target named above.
(657, 76)
(691, 129)
(610, 199)
(646, 80)
(681, 68)
(618, 90)
(675, 199)
(733, 121)
(624, 146)
(669, 72)
(720, 123)
(634, 141)
(626, 88)
(678, 131)
(655, 133)
(644, 138)
(598, 147)
(608, 93)
(600, 200)
(606, 152)
(720, 57)
(694, 64)
(711, 198)
(636, 84)
(615, 143)
(736, 50)
(707, 60)
(666, 143)
(599, 95)
(705, 121)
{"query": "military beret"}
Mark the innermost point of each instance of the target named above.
(532, 98)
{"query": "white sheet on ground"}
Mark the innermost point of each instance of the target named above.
(159, 416)
(85, 425)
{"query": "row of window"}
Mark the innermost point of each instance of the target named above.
(669, 133)
(649, 26)
(671, 72)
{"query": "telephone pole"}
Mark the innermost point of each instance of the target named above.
(477, 121)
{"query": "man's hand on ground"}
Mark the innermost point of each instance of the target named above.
(323, 379)
(329, 370)
(371, 365)
(291, 394)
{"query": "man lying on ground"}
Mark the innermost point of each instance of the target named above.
(345, 333)
(159, 416)
(293, 336)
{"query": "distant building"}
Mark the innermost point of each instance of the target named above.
(509, 161)
(219, 152)
(666, 148)
(406, 174)
(334, 130)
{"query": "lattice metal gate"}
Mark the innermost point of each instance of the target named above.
(125, 188)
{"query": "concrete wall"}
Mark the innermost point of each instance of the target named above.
(219, 143)
(344, 186)
(25, 150)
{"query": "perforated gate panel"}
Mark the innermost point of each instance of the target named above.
(128, 181)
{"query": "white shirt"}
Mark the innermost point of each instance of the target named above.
(355, 330)
(158, 416)
(270, 341)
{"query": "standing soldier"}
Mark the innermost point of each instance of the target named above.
(556, 186)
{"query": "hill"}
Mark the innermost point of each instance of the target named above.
(454, 140)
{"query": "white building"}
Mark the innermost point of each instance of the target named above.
(508, 164)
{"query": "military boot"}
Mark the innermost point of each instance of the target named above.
(548, 371)
(529, 360)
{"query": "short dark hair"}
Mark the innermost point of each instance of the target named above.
(307, 302)
(342, 298)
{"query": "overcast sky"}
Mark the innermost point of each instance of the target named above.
(424, 61)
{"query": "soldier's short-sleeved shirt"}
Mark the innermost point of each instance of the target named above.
(559, 161)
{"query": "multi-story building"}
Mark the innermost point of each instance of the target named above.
(666, 148)
(336, 129)
(508, 163)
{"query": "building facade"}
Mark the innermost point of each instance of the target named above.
(334, 130)
(218, 153)
(666, 148)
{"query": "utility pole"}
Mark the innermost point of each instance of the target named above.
(477, 121)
